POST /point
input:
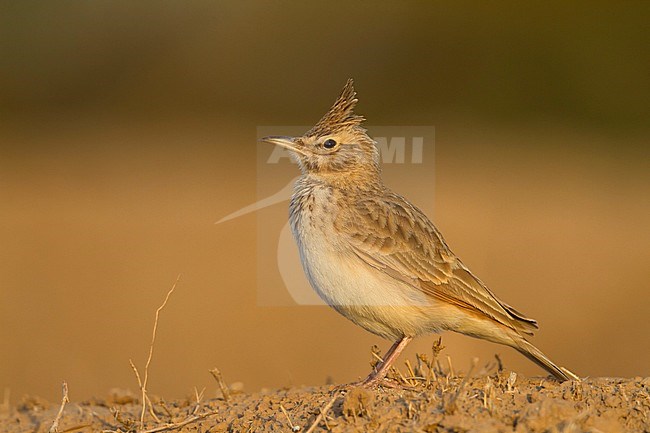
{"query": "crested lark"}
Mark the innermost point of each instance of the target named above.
(376, 258)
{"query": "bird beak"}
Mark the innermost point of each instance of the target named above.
(286, 142)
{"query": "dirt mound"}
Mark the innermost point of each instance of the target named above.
(501, 402)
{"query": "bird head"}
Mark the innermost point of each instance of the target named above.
(337, 145)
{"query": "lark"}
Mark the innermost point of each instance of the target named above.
(376, 258)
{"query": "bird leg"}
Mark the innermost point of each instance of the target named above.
(393, 353)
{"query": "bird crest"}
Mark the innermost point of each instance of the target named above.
(341, 115)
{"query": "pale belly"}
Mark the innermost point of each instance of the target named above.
(367, 296)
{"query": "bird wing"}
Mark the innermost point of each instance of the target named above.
(395, 237)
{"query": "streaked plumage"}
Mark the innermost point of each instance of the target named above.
(376, 258)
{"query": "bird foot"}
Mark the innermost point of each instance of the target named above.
(375, 381)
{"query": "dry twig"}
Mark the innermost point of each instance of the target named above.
(198, 396)
(436, 348)
(323, 412)
(222, 385)
(293, 427)
(146, 396)
(178, 425)
(451, 367)
(412, 376)
(143, 384)
(55, 424)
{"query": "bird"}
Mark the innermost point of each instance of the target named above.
(376, 258)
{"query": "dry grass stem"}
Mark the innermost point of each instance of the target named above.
(198, 396)
(412, 374)
(439, 367)
(222, 385)
(55, 424)
(436, 348)
(165, 408)
(146, 400)
(323, 412)
(488, 395)
(77, 427)
(179, 425)
(137, 374)
(451, 367)
(293, 427)
(146, 403)
(401, 376)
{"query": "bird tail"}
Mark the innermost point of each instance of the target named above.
(536, 355)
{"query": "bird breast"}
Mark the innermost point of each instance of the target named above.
(332, 267)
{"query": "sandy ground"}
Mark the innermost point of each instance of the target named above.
(423, 397)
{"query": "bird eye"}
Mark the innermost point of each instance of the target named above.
(329, 143)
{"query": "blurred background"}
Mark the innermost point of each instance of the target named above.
(128, 128)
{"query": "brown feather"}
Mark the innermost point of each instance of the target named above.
(420, 257)
(340, 115)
